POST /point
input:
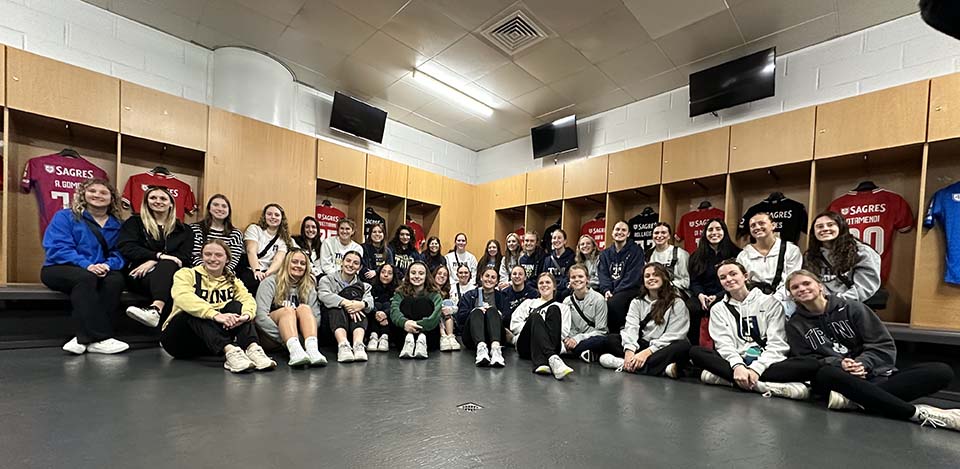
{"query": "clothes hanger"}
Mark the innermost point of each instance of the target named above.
(69, 153)
(600, 215)
(370, 210)
(647, 211)
(704, 205)
(775, 197)
(161, 170)
(865, 186)
(326, 203)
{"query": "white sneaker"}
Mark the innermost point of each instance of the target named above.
(496, 357)
(359, 354)
(345, 353)
(407, 350)
(237, 361)
(420, 351)
(542, 370)
(709, 378)
(939, 418)
(483, 357)
(74, 347)
(383, 344)
(559, 368)
(298, 358)
(837, 401)
(149, 316)
(316, 358)
(611, 361)
(260, 359)
(796, 391)
(672, 371)
(445, 343)
(374, 340)
(108, 346)
(454, 344)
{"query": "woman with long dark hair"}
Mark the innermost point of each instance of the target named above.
(492, 257)
(217, 224)
(376, 253)
(715, 246)
(378, 326)
(415, 312)
(404, 252)
(309, 242)
(432, 253)
(848, 267)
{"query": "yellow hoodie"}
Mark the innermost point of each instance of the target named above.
(215, 293)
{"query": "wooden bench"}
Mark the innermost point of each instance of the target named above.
(38, 291)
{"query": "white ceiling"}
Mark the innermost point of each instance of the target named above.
(601, 54)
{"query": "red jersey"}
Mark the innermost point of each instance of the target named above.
(873, 217)
(692, 224)
(327, 217)
(595, 229)
(519, 232)
(54, 179)
(138, 183)
(418, 235)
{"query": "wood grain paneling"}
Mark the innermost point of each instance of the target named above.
(460, 213)
(43, 86)
(772, 141)
(387, 177)
(944, 108)
(3, 74)
(424, 186)
(696, 156)
(636, 167)
(510, 192)
(161, 117)
(544, 185)
(338, 163)
(585, 177)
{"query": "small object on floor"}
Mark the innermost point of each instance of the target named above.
(938, 418)
(796, 391)
(483, 357)
(374, 341)
(383, 345)
(107, 347)
(496, 357)
(236, 361)
(612, 362)
(260, 359)
(359, 354)
(74, 347)
(149, 316)
(408, 346)
(558, 367)
(672, 371)
(344, 353)
(837, 401)
(709, 378)
(420, 350)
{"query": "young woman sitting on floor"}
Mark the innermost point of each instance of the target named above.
(482, 314)
(347, 300)
(538, 325)
(415, 313)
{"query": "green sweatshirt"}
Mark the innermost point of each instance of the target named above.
(428, 323)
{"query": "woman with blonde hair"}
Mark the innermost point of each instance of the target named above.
(287, 308)
(83, 262)
(588, 255)
(266, 243)
(511, 258)
(155, 245)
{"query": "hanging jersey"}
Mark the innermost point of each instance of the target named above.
(370, 218)
(789, 218)
(418, 235)
(54, 180)
(873, 217)
(641, 229)
(327, 218)
(692, 224)
(596, 229)
(138, 184)
(520, 232)
(945, 209)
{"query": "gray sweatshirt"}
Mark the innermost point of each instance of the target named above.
(680, 274)
(592, 269)
(732, 340)
(332, 252)
(865, 275)
(329, 288)
(265, 305)
(675, 325)
(594, 307)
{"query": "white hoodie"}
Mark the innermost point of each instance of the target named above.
(520, 315)
(676, 323)
(732, 340)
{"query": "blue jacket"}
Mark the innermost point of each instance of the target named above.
(69, 241)
(468, 301)
(514, 298)
(620, 271)
(558, 267)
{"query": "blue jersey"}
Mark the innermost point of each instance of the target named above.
(945, 209)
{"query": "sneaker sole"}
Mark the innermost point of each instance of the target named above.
(319, 364)
(497, 364)
(107, 352)
(563, 374)
(301, 362)
(483, 363)
(238, 370)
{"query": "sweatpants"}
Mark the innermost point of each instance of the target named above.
(596, 344)
(339, 319)
(188, 336)
(540, 337)
(886, 396)
(482, 328)
(617, 307)
(157, 283)
(791, 370)
(93, 299)
(677, 352)
(415, 309)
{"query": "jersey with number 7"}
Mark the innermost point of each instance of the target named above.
(54, 179)
(873, 217)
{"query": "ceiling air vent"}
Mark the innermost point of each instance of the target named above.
(514, 31)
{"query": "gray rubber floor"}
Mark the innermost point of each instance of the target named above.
(142, 409)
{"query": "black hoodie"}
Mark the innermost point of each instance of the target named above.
(847, 329)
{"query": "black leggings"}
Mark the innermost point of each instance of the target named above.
(415, 309)
(246, 277)
(696, 314)
(156, 284)
(540, 337)
(374, 327)
(791, 370)
(483, 328)
(891, 396)
(188, 336)
(94, 299)
(677, 352)
(617, 307)
(339, 319)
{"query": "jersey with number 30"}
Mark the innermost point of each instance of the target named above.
(54, 179)
(873, 217)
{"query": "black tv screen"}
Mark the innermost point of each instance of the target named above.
(736, 82)
(556, 137)
(357, 118)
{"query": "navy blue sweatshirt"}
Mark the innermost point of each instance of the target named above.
(531, 265)
(558, 265)
(707, 282)
(469, 301)
(373, 258)
(514, 298)
(621, 270)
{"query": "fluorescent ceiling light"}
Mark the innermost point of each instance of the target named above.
(452, 94)
(563, 120)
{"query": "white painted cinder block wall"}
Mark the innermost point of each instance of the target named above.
(80, 34)
(897, 52)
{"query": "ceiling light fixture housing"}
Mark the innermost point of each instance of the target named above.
(448, 92)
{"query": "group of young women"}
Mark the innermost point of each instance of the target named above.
(764, 319)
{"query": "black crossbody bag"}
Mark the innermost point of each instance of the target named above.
(95, 228)
(754, 333)
(580, 312)
(769, 288)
